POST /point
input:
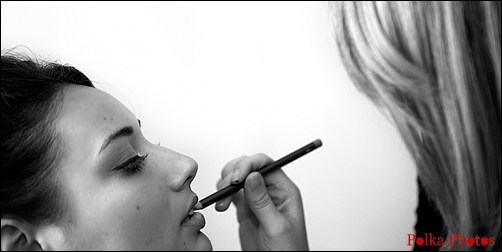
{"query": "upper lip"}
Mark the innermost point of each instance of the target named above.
(192, 205)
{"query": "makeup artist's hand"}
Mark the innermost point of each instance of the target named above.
(269, 210)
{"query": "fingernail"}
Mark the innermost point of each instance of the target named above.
(219, 204)
(254, 183)
(235, 177)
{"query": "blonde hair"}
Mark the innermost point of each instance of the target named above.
(434, 67)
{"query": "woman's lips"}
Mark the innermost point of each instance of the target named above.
(195, 220)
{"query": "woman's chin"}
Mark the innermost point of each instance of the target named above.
(203, 243)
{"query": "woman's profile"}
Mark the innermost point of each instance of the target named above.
(78, 174)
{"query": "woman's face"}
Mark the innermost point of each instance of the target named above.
(124, 192)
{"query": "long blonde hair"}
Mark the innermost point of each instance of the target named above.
(434, 67)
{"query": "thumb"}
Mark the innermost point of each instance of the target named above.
(259, 201)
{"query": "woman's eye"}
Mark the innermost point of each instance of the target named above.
(132, 165)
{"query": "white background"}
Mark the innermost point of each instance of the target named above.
(219, 80)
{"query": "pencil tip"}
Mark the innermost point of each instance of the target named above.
(198, 206)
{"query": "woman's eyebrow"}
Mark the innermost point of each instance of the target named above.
(126, 131)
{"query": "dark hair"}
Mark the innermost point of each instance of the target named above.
(31, 98)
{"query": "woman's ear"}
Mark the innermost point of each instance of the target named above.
(17, 235)
(20, 235)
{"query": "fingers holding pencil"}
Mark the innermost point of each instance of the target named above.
(236, 171)
(270, 208)
(223, 194)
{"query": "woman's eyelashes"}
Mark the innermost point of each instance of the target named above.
(132, 165)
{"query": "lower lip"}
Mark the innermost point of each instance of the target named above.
(197, 220)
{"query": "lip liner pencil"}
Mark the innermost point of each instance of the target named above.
(232, 188)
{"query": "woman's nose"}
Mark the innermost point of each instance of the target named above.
(185, 170)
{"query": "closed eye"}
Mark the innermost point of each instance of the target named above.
(132, 165)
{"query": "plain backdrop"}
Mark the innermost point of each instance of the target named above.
(217, 80)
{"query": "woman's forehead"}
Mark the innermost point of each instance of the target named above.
(81, 103)
(88, 115)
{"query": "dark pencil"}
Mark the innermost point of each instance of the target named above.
(227, 191)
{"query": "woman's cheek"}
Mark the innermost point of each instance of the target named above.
(138, 217)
